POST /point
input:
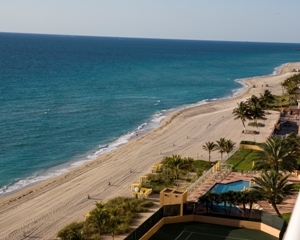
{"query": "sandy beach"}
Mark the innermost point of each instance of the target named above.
(41, 210)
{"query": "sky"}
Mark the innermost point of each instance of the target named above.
(227, 20)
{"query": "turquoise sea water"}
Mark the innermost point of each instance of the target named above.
(66, 99)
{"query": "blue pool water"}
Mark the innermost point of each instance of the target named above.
(224, 187)
(233, 186)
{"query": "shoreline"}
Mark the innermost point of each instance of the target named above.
(141, 130)
(49, 205)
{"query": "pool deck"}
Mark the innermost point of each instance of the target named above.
(286, 206)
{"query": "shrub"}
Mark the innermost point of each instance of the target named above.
(122, 228)
(71, 231)
(147, 204)
(248, 142)
(127, 209)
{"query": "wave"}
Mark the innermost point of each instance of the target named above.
(63, 168)
(139, 131)
(278, 69)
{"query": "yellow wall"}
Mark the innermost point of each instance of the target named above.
(153, 230)
(267, 229)
(170, 196)
(212, 220)
(227, 222)
(167, 220)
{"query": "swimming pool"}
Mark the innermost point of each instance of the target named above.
(233, 186)
(224, 187)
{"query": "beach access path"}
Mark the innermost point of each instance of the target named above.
(40, 211)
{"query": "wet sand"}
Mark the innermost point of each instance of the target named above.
(41, 210)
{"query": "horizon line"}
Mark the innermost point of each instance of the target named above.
(154, 38)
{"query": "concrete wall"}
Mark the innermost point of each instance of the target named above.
(212, 220)
(228, 222)
(267, 229)
(170, 196)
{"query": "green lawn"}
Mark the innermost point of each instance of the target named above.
(297, 186)
(242, 159)
(280, 101)
(287, 216)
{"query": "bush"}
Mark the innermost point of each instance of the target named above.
(122, 228)
(71, 231)
(147, 204)
(127, 209)
(251, 143)
(248, 142)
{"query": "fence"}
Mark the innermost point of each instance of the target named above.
(207, 174)
(192, 209)
(147, 225)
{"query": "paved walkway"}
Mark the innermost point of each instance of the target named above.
(286, 206)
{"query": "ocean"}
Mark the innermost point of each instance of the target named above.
(67, 99)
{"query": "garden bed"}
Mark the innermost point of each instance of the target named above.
(250, 132)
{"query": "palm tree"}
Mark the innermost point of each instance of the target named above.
(187, 163)
(242, 112)
(113, 220)
(248, 197)
(214, 197)
(256, 113)
(277, 155)
(253, 197)
(252, 101)
(228, 146)
(223, 197)
(267, 98)
(292, 87)
(98, 216)
(273, 187)
(173, 163)
(206, 200)
(243, 199)
(209, 146)
(177, 164)
(293, 140)
(232, 199)
(221, 146)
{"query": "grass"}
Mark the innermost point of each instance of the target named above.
(280, 101)
(200, 166)
(297, 186)
(287, 216)
(242, 159)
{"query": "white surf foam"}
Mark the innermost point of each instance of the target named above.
(140, 130)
